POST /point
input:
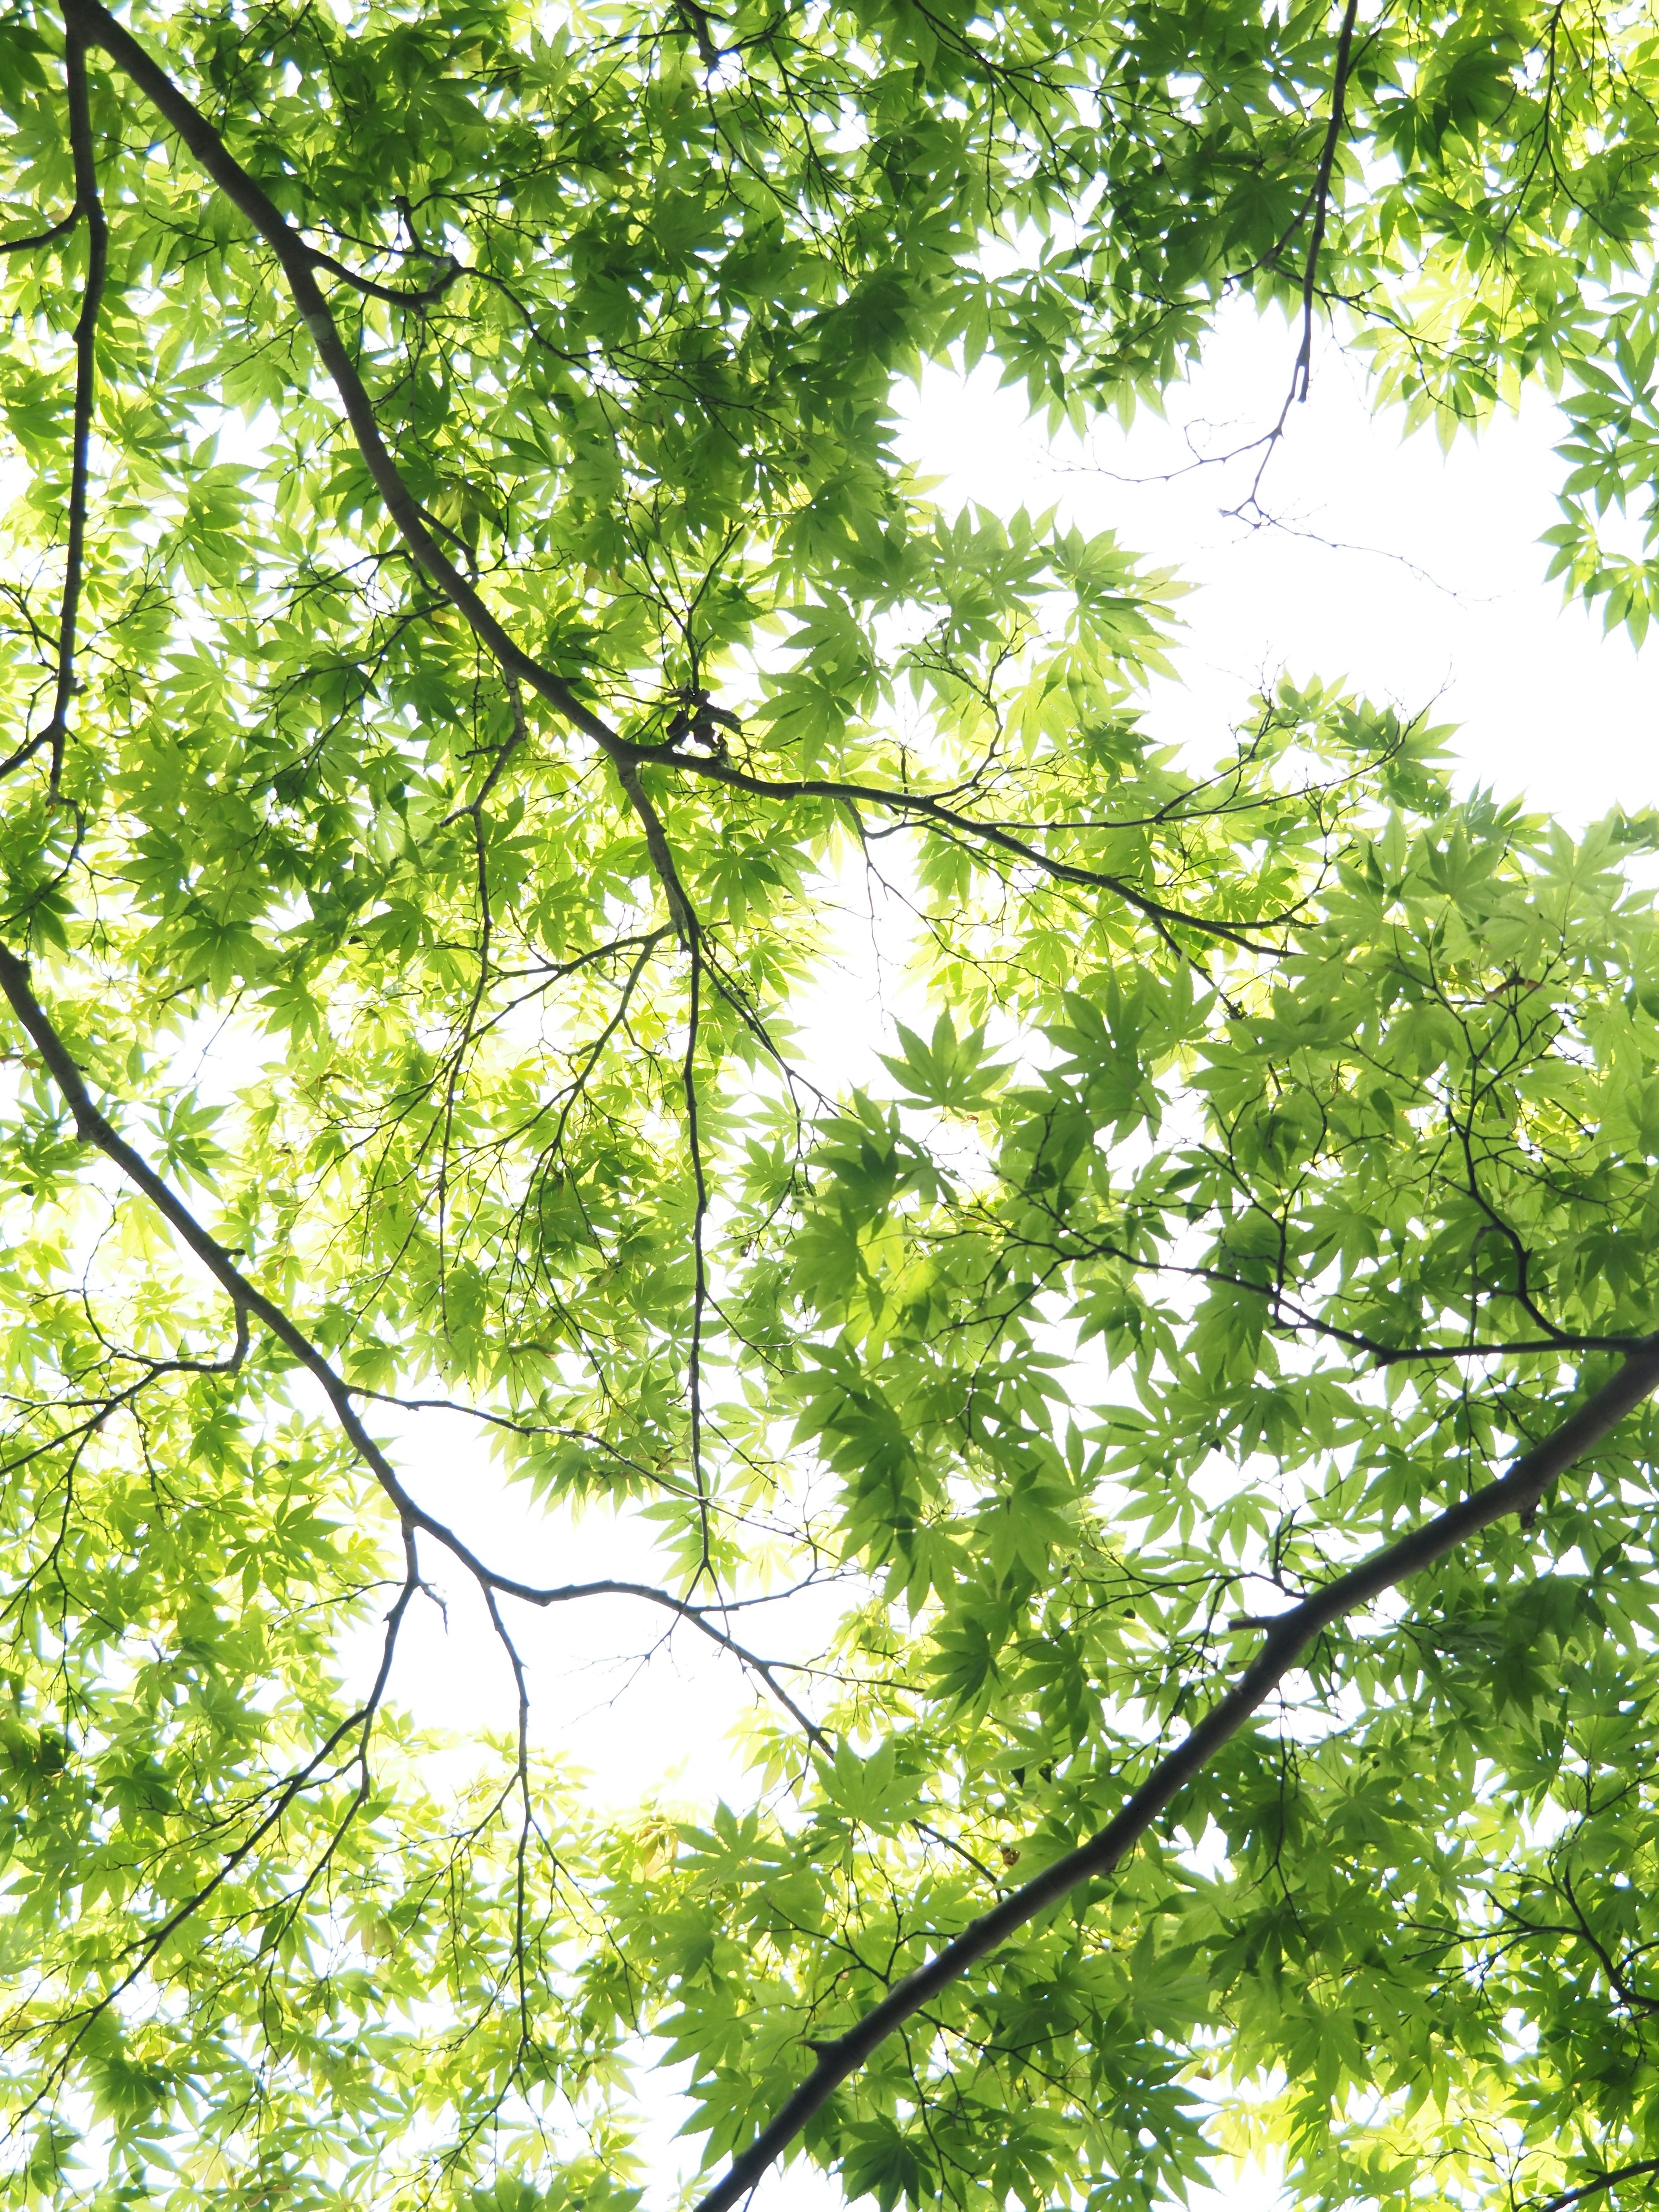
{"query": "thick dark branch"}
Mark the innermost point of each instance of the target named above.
(93, 23)
(1287, 1642)
(93, 1128)
(1594, 2188)
(299, 262)
(87, 203)
(1322, 194)
(61, 229)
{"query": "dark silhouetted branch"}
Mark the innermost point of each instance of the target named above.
(93, 1127)
(299, 262)
(61, 229)
(1647, 2165)
(1287, 1641)
(88, 203)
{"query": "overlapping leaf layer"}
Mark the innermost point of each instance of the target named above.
(468, 641)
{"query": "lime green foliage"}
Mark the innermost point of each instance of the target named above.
(1278, 1155)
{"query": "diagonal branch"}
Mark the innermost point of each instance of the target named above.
(428, 296)
(926, 807)
(87, 203)
(93, 23)
(298, 1780)
(61, 229)
(1321, 195)
(1287, 1642)
(93, 1127)
(1302, 370)
(663, 863)
(1647, 2165)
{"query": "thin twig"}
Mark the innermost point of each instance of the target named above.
(1322, 193)
(699, 1257)
(1302, 371)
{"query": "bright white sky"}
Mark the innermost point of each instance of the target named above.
(1449, 602)
(1421, 580)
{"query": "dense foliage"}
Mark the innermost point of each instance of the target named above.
(465, 632)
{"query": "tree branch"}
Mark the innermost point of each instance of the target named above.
(1285, 1643)
(93, 1128)
(928, 808)
(1595, 2188)
(87, 203)
(1302, 369)
(93, 23)
(1322, 195)
(428, 296)
(61, 229)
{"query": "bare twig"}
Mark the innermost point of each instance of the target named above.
(1321, 193)
(1302, 371)
(293, 1786)
(521, 1776)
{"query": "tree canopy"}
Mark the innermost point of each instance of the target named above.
(464, 617)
